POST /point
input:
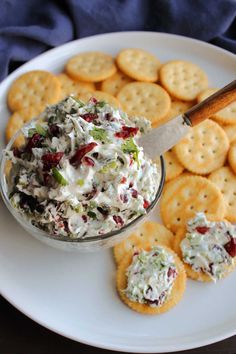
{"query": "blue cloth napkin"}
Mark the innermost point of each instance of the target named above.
(29, 27)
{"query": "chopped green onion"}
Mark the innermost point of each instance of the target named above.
(92, 215)
(130, 147)
(40, 130)
(31, 132)
(58, 177)
(101, 104)
(110, 166)
(99, 134)
(80, 182)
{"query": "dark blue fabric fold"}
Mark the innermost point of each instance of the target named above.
(29, 27)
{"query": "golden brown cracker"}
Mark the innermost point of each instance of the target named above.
(172, 165)
(182, 79)
(232, 157)
(225, 180)
(138, 64)
(226, 115)
(145, 99)
(230, 131)
(91, 66)
(185, 196)
(148, 234)
(72, 87)
(114, 84)
(17, 120)
(174, 297)
(32, 89)
(204, 149)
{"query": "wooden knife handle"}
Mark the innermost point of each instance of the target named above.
(211, 105)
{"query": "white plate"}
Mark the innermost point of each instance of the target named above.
(74, 294)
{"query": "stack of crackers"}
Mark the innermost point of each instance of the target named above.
(200, 170)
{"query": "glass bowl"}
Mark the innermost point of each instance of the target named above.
(88, 244)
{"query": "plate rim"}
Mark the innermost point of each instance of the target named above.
(31, 316)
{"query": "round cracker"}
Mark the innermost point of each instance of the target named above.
(72, 87)
(138, 64)
(32, 89)
(226, 115)
(174, 297)
(114, 84)
(145, 99)
(177, 107)
(91, 66)
(230, 131)
(173, 167)
(191, 273)
(100, 96)
(185, 196)
(182, 79)
(225, 180)
(204, 149)
(232, 157)
(149, 234)
(16, 122)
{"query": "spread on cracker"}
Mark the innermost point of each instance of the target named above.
(151, 281)
(209, 246)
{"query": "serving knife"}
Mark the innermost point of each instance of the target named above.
(161, 139)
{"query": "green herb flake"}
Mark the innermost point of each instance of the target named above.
(130, 147)
(110, 166)
(101, 104)
(40, 130)
(99, 134)
(58, 177)
(80, 182)
(31, 132)
(81, 104)
(92, 215)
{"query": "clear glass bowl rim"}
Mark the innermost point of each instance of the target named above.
(22, 220)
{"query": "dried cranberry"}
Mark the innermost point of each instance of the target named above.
(123, 180)
(47, 179)
(135, 253)
(202, 229)
(131, 162)
(146, 204)
(131, 184)
(80, 152)
(171, 273)
(126, 132)
(118, 220)
(124, 198)
(16, 152)
(230, 247)
(134, 193)
(88, 161)
(152, 302)
(89, 117)
(84, 217)
(51, 160)
(93, 100)
(34, 141)
(109, 117)
(54, 130)
(91, 194)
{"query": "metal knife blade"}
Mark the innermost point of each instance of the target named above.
(161, 139)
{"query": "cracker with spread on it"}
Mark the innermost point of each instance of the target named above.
(172, 300)
(225, 180)
(33, 89)
(185, 196)
(145, 99)
(149, 234)
(191, 273)
(182, 79)
(91, 66)
(138, 64)
(204, 149)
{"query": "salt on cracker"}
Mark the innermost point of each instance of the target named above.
(17, 120)
(138, 64)
(145, 99)
(114, 84)
(226, 115)
(100, 96)
(172, 165)
(230, 131)
(232, 157)
(172, 300)
(32, 89)
(225, 180)
(185, 196)
(148, 234)
(191, 273)
(182, 79)
(204, 148)
(72, 87)
(91, 66)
